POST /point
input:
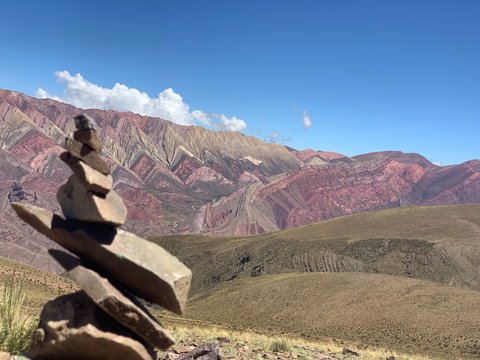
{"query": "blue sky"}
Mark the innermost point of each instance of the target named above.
(369, 75)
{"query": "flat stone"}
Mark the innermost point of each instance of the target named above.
(87, 155)
(84, 122)
(89, 138)
(121, 306)
(78, 203)
(92, 179)
(144, 268)
(72, 327)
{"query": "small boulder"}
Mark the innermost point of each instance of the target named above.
(208, 351)
(347, 351)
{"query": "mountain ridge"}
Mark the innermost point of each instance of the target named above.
(180, 179)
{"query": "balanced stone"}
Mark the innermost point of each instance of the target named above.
(121, 306)
(84, 122)
(92, 179)
(87, 155)
(78, 203)
(72, 327)
(89, 138)
(143, 267)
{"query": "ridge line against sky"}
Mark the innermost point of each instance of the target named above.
(351, 77)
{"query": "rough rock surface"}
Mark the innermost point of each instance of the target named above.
(89, 138)
(87, 155)
(208, 351)
(85, 122)
(92, 179)
(119, 305)
(121, 255)
(74, 322)
(78, 203)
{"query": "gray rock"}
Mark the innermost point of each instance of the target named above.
(92, 179)
(119, 305)
(88, 138)
(208, 351)
(143, 267)
(72, 327)
(84, 122)
(347, 351)
(87, 155)
(78, 203)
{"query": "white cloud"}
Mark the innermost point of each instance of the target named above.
(232, 124)
(202, 117)
(273, 137)
(167, 105)
(438, 163)
(219, 121)
(307, 122)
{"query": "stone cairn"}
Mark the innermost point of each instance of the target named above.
(104, 320)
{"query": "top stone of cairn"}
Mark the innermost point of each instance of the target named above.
(85, 122)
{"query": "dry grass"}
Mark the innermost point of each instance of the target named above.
(16, 328)
(39, 286)
(409, 315)
(252, 345)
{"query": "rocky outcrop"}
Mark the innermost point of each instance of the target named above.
(341, 187)
(104, 320)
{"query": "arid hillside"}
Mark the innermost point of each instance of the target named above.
(403, 279)
(189, 180)
(438, 243)
(406, 315)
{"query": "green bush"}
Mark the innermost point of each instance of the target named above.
(280, 345)
(15, 327)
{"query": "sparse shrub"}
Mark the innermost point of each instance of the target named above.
(280, 345)
(15, 327)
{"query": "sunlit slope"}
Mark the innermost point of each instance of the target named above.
(440, 244)
(407, 315)
(39, 286)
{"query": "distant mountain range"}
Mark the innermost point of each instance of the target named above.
(179, 179)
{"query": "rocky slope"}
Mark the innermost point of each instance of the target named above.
(178, 179)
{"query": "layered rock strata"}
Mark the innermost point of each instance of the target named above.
(105, 320)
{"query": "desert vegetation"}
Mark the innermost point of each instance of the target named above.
(16, 327)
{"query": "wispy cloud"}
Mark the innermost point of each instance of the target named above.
(273, 137)
(307, 121)
(167, 105)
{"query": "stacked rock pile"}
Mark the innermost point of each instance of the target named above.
(104, 320)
